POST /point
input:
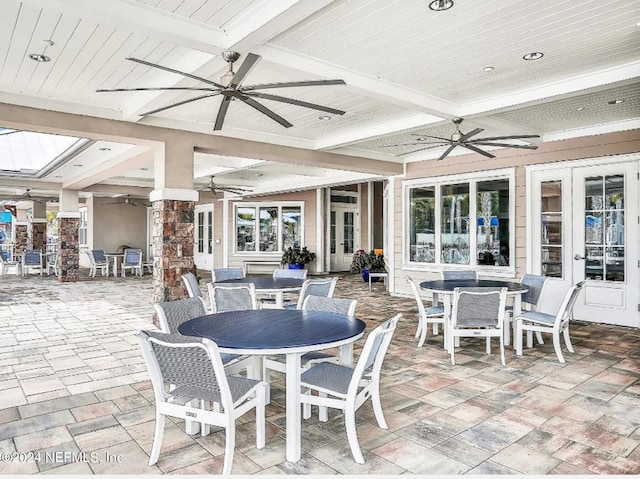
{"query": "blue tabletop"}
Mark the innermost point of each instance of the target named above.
(451, 284)
(273, 328)
(267, 282)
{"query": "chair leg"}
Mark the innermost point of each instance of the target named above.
(377, 407)
(260, 417)
(306, 407)
(556, 346)
(423, 333)
(229, 446)
(435, 328)
(157, 439)
(539, 337)
(567, 340)
(507, 330)
(488, 345)
(323, 411)
(502, 356)
(453, 349)
(517, 337)
(350, 425)
(419, 328)
(529, 339)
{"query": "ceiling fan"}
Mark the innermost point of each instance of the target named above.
(26, 196)
(236, 190)
(464, 139)
(128, 201)
(231, 88)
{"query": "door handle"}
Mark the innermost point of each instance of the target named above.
(577, 257)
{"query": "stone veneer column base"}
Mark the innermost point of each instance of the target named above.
(39, 236)
(21, 240)
(172, 249)
(69, 246)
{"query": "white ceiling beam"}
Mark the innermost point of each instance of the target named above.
(602, 129)
(370, 86)
(564, 88)
(136, 157)
(140, 18)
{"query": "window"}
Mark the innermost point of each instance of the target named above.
(551, 228)
(267, 228)
(442, 231)
(82, 228)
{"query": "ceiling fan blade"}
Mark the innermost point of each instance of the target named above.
(245, 68)
(504, 145)
(167, 88)
(471, 133)
(293, 101)
(222, 113)
(512, 137)
(171, 70)
(447, 151)
(173, 105)
(478, 150)
(293, 84)
(430, 136)
(431, 145)
(263, 109)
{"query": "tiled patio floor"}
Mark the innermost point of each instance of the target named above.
(72, 380)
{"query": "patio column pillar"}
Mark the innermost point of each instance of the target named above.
(174, 201)
(68, 238)
(39, 226)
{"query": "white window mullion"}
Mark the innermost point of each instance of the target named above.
(438, 226)
(473, 223)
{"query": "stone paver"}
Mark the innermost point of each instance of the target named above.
(74, 388)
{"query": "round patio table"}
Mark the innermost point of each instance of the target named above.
(291, 332)
(445, 287)
(269, 285)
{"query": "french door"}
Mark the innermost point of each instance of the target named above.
(342, 237)
(203, 237)
(585, 228)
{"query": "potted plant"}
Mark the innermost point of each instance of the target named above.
(363, 262)
(297, 258)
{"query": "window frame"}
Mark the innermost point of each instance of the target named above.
(472, 179)
(83, 225)
(265, 204)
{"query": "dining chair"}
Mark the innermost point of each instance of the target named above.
(433, 315)
(222, 274)
(148, 264)
(556, 324)
(97, 260)
(290, 273)
(315, 287)
(132, 261)
(348, 388)
(6, 264)
(232, 297)
(53, 263)
(535, 283)
(32, 259)
(478, 312)
(192, 370)
(171, 314)
(190, 281)
(459, 274)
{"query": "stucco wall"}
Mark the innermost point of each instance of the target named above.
(557, 151)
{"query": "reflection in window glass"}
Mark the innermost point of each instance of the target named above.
(551, 228)
(269, 229)
(604, 231)
(332, 236)
(455, 224)
(210, 232)
(201, 232)
(422, 224)
(245, 229)
(291, 218)
(492, 219)
(348, 232)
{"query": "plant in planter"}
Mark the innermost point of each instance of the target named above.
(297, 258)
(364, 263)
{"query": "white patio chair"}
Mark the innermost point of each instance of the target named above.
(459, 274)
(347, 388)
(433, 315)
(32, 259)
(315, 287)
(535, 283)
(97, 260)
(6, 265)
(478, 312)
(192, 370)
(222, 274)
(232, 297)
(556, 324)
(280, 273)
(148, 264)
(190, 281)
(132, 261)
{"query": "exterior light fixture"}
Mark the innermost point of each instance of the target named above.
(616, 101)
(41, 57)
(441, 5)
(324, 118)
(488, 69)
(533, 56)
(104, 148)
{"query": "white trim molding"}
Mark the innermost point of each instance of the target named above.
(69, 214)
(174, 194)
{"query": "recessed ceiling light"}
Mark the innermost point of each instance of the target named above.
(58, 176)
(617, 101)
(77, 164)
(144, 168)
(440, 5)
(104, 148)
(324, 118)
(39, 57)
(489, 69)
(580, 108)
(533, 56)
